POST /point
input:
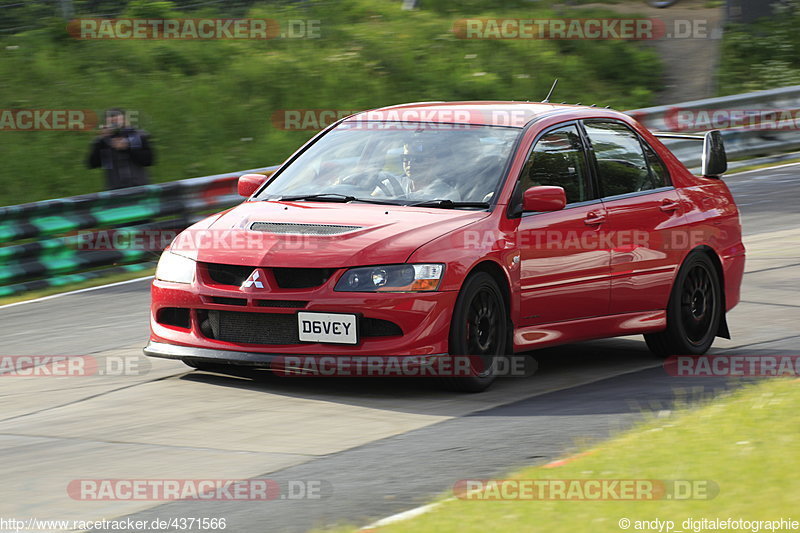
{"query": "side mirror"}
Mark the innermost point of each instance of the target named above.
(249, 183)
(714, 161)
(544, 198)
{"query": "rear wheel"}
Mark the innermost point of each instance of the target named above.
(479, 329)
(694, 311)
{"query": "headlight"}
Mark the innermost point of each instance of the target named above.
(175, 268)
(392, 278)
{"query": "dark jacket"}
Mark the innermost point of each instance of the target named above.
(124, 168)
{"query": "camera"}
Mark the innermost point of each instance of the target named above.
(112, 130)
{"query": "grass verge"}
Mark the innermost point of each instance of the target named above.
(746, 442)
(212, 106)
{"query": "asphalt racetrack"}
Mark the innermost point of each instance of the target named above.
(377, 447)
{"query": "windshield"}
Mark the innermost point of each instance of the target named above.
(400, 162)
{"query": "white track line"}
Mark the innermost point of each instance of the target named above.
(405, 515)
(762, 169)
(416, 511)
(87, 289)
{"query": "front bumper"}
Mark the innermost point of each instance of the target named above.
(273, 361)
(423, 319)
(207, 355)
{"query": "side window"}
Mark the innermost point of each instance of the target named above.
(559, 159)
(659, 175)
(621, 164)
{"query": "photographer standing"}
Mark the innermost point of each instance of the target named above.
(122, 151)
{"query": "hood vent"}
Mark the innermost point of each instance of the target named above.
(294, 228)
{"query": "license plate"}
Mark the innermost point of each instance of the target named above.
(327, 327)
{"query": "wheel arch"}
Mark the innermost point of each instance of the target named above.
(499, 275)
(708, 251)
(501, 278)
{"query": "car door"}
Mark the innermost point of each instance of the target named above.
(644, 214)
(565, 269)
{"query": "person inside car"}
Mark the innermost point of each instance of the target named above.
(426, 171)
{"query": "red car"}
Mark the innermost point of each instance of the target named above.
(466, 228)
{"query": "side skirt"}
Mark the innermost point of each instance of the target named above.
(542, 335)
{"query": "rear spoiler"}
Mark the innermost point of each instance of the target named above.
(714, 160)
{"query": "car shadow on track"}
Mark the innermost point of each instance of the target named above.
(557, 368)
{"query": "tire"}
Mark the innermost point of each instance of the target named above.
(479, 328)
(694, 312)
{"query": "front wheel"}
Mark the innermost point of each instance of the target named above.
(694, 311)
(479, 330)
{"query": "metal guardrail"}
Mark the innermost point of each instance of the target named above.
(740, 142)
(39, 242)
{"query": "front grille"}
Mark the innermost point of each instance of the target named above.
(228, 274)
(274, 328)
(228, 301)
(293, 228)
(286, 278)
(301, 278)
(253, 328)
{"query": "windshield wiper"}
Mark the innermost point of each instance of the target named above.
(332, 197)
(448, 204)
(324, 197)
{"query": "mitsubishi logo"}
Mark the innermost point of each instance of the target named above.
(252, 279)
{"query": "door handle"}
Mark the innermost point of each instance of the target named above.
(594, 218)
(668, 205)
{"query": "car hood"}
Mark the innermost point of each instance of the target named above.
(322, 235)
